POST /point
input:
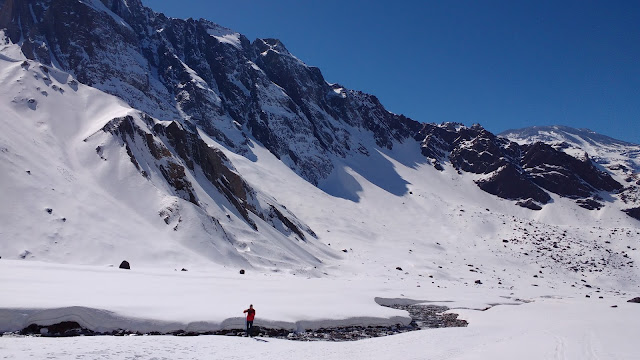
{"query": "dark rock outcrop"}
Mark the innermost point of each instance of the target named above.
(513, 171)
(563, 174)
(124, 265)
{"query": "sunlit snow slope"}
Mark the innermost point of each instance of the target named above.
(74, 191)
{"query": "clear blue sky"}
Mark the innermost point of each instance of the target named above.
(503, 64)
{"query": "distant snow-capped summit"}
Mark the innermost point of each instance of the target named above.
(603, 149)
(561, 133)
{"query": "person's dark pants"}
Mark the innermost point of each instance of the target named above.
(249, 327)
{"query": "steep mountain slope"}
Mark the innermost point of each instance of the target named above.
(213, 78)
(88, 179)
(197, 71)
(211, 149)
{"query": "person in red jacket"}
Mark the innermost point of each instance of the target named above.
(251, 313)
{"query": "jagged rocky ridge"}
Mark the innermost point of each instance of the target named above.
(620, 158)
(177, 150)
(514, 171)
(199, 75)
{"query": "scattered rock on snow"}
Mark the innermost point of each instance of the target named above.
(423, 317)
(73, 84)
(398, 268)
(478, 282)
(635, 300)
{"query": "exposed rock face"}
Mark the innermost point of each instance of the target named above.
(513, 171)
(176, 151)
(619, 158)
(563, 174)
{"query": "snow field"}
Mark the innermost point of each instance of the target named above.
(545, 329)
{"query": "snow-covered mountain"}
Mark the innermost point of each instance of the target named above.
(601, 148)
(620, 158)
(181, 145)
(131, 135)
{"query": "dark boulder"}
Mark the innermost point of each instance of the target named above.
(241, 271)
(125, 265)
(635, 300)
(529, 204)
(589, 204)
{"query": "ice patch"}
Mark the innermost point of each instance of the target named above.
(224, 35)
(99, 6)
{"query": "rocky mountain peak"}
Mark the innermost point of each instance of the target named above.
(512, 171)
(206, 77)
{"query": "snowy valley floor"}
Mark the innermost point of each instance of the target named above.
(543, 329)
(549, 324)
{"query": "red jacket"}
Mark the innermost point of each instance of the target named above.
(251, 313)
